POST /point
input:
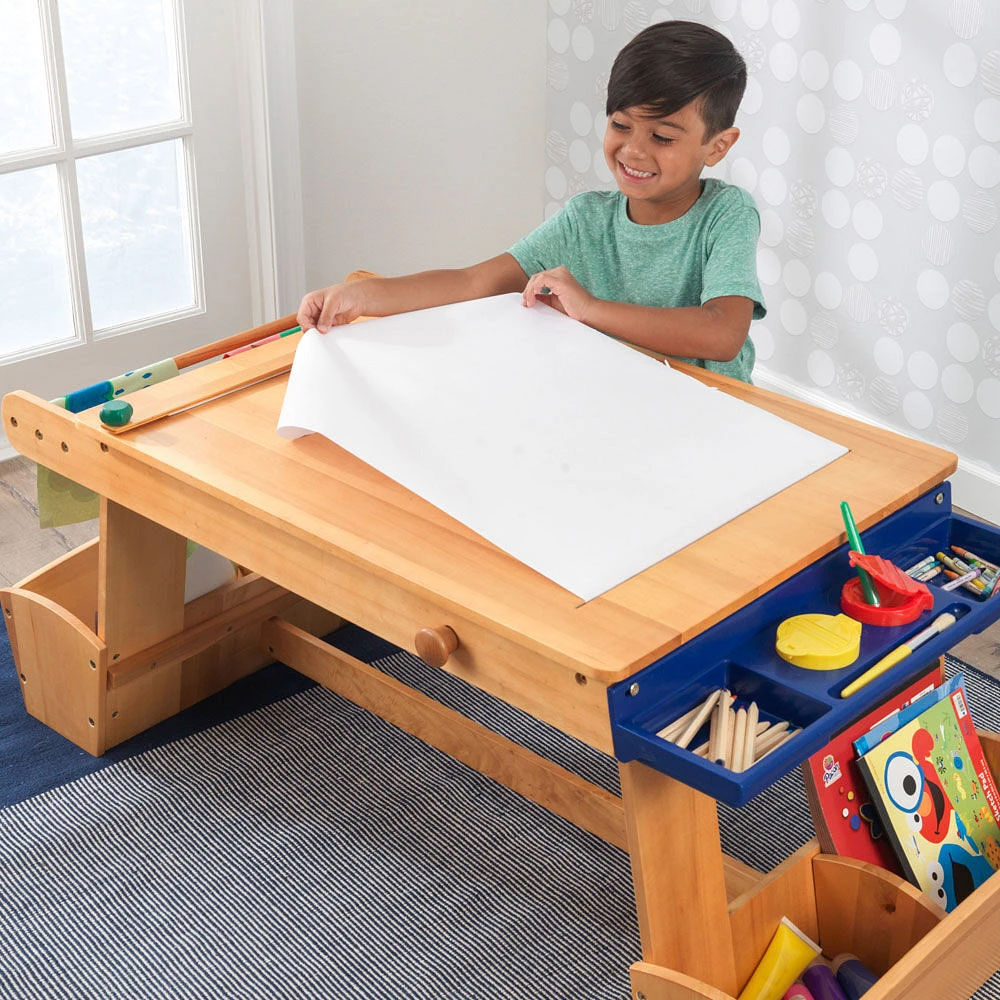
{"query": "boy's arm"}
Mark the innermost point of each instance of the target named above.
(714, 331)
(344, 302)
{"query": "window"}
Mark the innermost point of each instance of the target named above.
(98, 219)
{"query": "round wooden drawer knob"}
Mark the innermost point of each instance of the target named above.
(435, 645)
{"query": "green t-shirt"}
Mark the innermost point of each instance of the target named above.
(708, 252)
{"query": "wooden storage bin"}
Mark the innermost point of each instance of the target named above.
(920, 952)
(97, 701)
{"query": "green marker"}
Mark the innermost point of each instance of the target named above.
(871, 595)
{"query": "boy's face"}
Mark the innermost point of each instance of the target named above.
(657, 162)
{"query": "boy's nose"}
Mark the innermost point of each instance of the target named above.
(635, 149)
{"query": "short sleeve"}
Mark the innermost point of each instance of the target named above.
(731, 266)
(545, 246)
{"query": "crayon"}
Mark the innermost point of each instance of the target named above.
(985, 568)
(928, 574)
(969, 581)
(968, 556)
(919, 567)
(961, 564)
(960, 581)
(960, 568)
(955, 565)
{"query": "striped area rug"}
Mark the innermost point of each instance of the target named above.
(311, 850)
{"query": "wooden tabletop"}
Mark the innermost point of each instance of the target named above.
(220, 469)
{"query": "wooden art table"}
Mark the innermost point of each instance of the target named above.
(106, 647)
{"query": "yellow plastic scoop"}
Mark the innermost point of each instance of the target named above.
(819, 642)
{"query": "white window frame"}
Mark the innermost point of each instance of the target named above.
(271, 180)
(64, 154)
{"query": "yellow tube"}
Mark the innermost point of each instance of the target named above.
(788, 954)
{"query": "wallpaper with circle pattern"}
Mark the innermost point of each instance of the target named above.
(871, 144)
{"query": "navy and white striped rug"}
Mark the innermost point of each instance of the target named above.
(311, 850)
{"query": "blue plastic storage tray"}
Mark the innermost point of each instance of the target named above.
(739, 654)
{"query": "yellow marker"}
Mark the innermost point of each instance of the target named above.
(899, 653)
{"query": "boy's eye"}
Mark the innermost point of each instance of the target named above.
(619, 126)
(663, 140)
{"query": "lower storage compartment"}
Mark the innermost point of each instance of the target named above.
(918, 951)
(69, 682)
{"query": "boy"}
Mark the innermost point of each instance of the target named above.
(668, 261)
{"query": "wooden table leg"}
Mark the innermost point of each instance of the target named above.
(140, 601)
(677, 870)
(141, 581)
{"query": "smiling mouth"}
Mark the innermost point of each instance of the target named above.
(636, 175)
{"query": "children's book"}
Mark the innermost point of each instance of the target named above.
(844, 818)
(934, 792)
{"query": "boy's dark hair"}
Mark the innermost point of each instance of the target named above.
(672, 63)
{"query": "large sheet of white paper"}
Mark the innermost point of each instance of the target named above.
(576, 454)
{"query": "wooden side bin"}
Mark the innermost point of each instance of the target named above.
(919, 951)
(71, 683)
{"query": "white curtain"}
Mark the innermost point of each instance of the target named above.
(871, 143)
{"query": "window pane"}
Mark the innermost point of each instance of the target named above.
(121, 67)
(24, 102)
(136, 233)
(33, 271)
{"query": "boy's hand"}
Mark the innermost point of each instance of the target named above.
(559, 289)
(332, 306)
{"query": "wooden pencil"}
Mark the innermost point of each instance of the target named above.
(780, 739)
(765, 739)
(672, 729)
(699, 720)
(739, 740)
(750, 737)
(719, 739)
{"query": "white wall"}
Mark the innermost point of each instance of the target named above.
(421, 130)
(870, 143)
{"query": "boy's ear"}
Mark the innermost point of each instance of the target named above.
(720, 144)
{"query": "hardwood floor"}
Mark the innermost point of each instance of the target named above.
(24, 548)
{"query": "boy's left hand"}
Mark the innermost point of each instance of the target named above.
(559, 289)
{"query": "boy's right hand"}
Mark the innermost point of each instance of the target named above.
(332, 306)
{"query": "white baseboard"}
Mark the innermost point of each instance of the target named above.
(975, 488)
